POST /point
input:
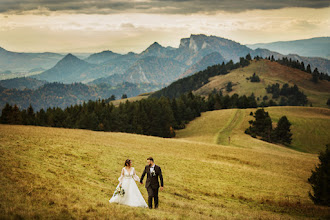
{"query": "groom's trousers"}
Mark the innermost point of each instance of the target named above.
(152, 193)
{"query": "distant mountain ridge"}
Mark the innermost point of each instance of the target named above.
(158, 64)
(314, 47)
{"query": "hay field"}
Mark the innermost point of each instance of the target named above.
(71, 173)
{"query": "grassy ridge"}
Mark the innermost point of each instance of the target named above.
(71, 173)
(269, 73)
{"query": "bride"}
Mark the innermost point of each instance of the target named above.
(132, 196)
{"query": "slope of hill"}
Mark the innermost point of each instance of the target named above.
(155, 49)
(24, 62)
(269, 73)
(310, 127)
(209, 60)
(71, 173)
(314, 47)
(153, 69)
(22, 83)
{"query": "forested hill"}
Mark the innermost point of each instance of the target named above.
(254, 76)
(63, 95)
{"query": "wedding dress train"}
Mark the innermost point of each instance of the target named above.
(133, 196)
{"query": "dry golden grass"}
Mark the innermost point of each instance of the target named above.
(70, 173)
(131, 99)
(269, 73)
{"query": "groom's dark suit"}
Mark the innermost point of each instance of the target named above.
(152, 184)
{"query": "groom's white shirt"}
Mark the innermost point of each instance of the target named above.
(152, 168)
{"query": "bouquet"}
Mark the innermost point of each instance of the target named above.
(119, 191)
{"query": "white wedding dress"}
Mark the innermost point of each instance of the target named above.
(133, 196)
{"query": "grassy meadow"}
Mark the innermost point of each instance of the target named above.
(71, 173)
(310, 127)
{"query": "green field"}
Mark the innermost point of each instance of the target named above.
(71, 173)
(310, 127)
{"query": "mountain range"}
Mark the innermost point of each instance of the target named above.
(314, 47)
(158, 64)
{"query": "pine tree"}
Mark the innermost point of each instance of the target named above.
(320, 180)
(261, 126)
(282, 132)
(30, 115)
(16, 114)
(229, 87)
(315, 75)
(7, 114)
(308, 69)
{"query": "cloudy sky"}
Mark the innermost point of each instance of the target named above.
(132, 25)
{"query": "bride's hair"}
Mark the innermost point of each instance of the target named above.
(127, 162)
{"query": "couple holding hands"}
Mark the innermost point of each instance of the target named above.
(127, 192)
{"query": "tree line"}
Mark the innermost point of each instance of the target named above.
(152, 116)
(316, 75)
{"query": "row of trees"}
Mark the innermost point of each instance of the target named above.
(262, 127)
(289, 95)
(152, 116)
(316, 75)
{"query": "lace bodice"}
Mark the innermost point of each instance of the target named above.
(126, 174)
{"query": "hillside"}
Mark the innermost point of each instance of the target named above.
(269, 73)
(63, 95)
(313, 47)
(209, 60)
(310, 127)
(71, 173)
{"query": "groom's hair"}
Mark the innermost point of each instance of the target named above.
(150, 158)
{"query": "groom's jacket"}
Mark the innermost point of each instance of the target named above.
(152, 180)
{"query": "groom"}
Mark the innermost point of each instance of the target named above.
(153, 172)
